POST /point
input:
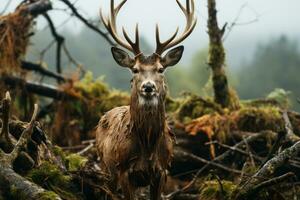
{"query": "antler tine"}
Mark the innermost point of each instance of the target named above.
(135, 45)
(160, 46)
(191, 21)
(110, 24)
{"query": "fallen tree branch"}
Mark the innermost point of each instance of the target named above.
(39, 89)
(290, 135)
(271, 182)
(249, 139)
(188, 156)
(42, 70)
(39, 7)
(267, 171)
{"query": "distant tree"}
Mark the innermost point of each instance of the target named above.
(275, 64)
(191, 78)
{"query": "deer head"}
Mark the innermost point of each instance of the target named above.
(148, 82)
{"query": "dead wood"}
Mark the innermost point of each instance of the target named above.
(18, 185)
(247, 189)
(42, 70)
(37, 88)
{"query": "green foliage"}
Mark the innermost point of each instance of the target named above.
(90, 87)
(213, 190)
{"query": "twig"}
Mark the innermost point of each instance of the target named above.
(236, 23)
(59, 41)
(249, 151)
(275, 147)
(271, 182)
(88, 141)
(267, 170)
(258, 158)
(219, 158)
(88, 24)
(26, 134)
(5, 141)
(290, 135)
(86, 149)
(187, 155)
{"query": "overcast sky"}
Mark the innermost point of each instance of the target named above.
(272, 18)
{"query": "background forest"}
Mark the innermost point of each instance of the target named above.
(274, 65)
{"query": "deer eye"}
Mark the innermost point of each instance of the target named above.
(160, 70)
(135, 70)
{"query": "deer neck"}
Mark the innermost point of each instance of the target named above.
(147, 121)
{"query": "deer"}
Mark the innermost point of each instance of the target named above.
(134, 142)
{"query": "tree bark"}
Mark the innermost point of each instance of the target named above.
(216, 58)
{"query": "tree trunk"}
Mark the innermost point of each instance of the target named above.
(216, 58)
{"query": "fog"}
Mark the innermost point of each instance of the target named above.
(258, 21)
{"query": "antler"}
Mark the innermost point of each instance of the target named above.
(191, 21)
(110, 25)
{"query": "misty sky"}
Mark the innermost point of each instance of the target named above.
(270, 18)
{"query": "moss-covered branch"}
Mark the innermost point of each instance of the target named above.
(248, 189)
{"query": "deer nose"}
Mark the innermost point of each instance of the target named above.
(148, 87)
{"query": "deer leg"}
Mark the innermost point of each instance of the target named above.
(127, 189)
(156, 186)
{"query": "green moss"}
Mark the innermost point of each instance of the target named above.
(255, 119)
(215, 190)
(48, 173)
(172, 104)
(49, 195)
(48, 176)
(75, 162)
(59, 152)
(193, 107)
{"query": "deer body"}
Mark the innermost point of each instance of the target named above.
(134, 142)
(133, 162)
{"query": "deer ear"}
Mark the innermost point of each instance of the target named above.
(172, 57)
(122, 57)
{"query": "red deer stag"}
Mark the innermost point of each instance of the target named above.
(134, 142)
